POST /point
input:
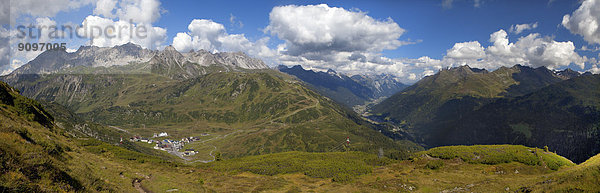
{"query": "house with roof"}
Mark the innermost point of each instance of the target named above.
(189, 152)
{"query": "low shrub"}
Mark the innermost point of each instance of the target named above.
(339, 166)
(497, 154)
(434, 164)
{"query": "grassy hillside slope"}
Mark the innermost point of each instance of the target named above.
(496, 154)
(34, 154)
(460, 89)
(244, 113)
(564, 116)
(47, 159)
(518, 105)
(584, 177)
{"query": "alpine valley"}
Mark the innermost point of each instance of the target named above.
(129, 119)
(357, 92)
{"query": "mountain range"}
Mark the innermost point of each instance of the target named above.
(248, 108)
(355, 91)
(131, 58)
(518, 105)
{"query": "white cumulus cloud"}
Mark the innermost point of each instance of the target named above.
(114, 18)
(595, 69)
(212, 36)
(117, 22)
(466, 50)
(105, 8)
(585, 21)
(531, 50)
(36, 11)
(321, 37)
(105, 32)
(139, 11)
(5, 52)
(323, 29)
(517, 29)
(11, 59)
(40, 8)
(134, 11)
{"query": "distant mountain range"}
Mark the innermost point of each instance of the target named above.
(259, 110)
(131, 58)
(351, 91)
(517, 105)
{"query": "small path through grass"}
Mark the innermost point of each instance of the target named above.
(117, 128)
(138, 186)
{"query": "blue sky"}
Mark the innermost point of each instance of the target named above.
(447, 33)
(437, 27)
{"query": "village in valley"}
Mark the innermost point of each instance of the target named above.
(172, 146)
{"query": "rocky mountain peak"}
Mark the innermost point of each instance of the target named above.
(465, 69)
(167, 56)
(241, 60)
(170, 48)
(93, 56)
(130, 44)
(567, 73)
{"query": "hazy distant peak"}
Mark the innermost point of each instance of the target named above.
(351, 91)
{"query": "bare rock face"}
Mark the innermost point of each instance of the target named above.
(241, 60)
(169, 57)
(202, 57)
(47, 62)
(118, 55)
(383, 85)
(230, 59)
(53, 61)
(168, 61)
